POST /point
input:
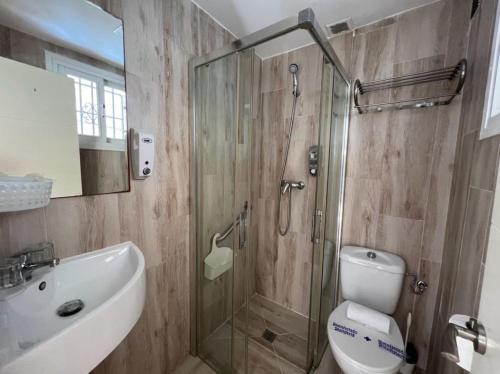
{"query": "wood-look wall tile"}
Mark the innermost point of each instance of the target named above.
(143, 56)
(180, 22)
(407, 162)
(175, 270)
(420, 32)
(484, 161)
(76, 225)
(401, 236)
(292, 274)
(423, 310)
(367, 143)
(361, 207)
(274, 74)
(21, 229)
(176, 134)
(145, 348)
(342, 45)
(210, 35)
(476, 225)
(458, 30)
(267, 246)
(405, 304)
(458, 199)
(377, 25)
(272, 138)
(373, 53)
(372, 58)
(443, 156)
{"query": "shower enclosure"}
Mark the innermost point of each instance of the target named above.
(261, 299)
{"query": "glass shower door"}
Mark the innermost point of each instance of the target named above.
(242, 210)
(215, 95)
(328, 211)
(223, 117)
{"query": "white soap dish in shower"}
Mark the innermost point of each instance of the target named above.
(219, 260)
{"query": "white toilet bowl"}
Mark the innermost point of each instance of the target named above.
(359, 349)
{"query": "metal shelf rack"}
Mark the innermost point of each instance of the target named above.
(450, 73)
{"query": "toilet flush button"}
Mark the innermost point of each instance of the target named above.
(371, 255)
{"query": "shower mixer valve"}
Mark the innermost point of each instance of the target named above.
(285, 185)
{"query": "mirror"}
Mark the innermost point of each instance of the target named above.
(64, 113)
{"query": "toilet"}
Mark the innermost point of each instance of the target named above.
(371, 280)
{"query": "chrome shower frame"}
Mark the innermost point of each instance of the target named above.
(304, 20)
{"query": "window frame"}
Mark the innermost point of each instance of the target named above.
(60, 65)
(490, 125)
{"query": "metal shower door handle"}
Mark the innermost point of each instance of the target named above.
(317, 213)
(242, 220)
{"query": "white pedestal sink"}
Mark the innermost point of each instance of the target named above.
(35, 339)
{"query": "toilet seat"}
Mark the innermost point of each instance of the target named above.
(362, 348)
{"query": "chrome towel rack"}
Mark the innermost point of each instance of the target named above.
(457, 72)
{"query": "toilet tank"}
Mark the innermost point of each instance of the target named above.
(372, 278)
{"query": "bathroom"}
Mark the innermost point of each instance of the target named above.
(278, 187)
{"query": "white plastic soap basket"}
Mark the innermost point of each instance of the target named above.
(24, 193)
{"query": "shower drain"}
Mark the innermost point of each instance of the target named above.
(269, 335)
(70, 308)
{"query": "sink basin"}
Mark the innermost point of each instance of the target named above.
(110, 283)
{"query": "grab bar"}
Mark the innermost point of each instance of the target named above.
(229, 229)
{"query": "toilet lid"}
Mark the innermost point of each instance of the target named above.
(364, 347)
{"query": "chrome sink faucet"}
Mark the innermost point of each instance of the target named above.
(18, 269)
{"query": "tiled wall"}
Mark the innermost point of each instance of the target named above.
(283, 263)
(474, 183)
(160, 37)
(399, 164)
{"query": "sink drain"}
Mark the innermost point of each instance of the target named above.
(70, 308)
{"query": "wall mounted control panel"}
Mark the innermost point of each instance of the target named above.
(142, 153)
(313, 160)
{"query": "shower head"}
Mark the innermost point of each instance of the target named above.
(293, 69)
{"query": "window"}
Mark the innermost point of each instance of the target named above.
(491, 112)
(100, 103)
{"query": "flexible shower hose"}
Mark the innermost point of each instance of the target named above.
(284, 231)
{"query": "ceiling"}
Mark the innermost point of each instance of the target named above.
(75, 24)
(242, 17)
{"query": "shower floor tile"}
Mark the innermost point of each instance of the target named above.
(289, 348)
(193, 365)
(286, 354)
